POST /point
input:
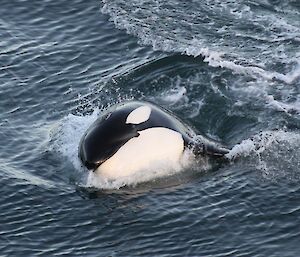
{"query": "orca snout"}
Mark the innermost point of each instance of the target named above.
(91, 166)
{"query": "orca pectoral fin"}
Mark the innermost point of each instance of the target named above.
(212, 150)
(207, 147)
(216, 150)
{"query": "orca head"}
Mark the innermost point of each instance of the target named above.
(104, 138)
(110, 132)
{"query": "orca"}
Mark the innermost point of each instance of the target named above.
(133, 135)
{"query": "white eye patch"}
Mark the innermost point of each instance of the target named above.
(139, 115)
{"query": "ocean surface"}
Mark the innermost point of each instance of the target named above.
(229, 68)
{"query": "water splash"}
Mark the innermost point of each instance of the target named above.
(66, 135)
(174, 95)
(177, 95)
(275, 153)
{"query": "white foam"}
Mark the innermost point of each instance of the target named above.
(269, 95)
(219, 47)
(195, 107)
(284, 107)
(174, 95)
(261, 142)
(272, 152)
(217, 59)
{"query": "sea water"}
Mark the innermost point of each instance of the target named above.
(230, 69)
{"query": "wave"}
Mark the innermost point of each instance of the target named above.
(245, 38)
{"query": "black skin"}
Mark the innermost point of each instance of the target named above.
(110, 132)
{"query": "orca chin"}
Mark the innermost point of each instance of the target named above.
(135, 135)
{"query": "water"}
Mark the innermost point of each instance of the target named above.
(231, 69)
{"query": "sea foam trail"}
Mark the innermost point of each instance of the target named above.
(244, 38)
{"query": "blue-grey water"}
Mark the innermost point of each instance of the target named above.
(231, 69)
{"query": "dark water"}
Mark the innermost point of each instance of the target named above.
(229, 68)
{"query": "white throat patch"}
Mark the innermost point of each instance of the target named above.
(155, 149)
(139, 115)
